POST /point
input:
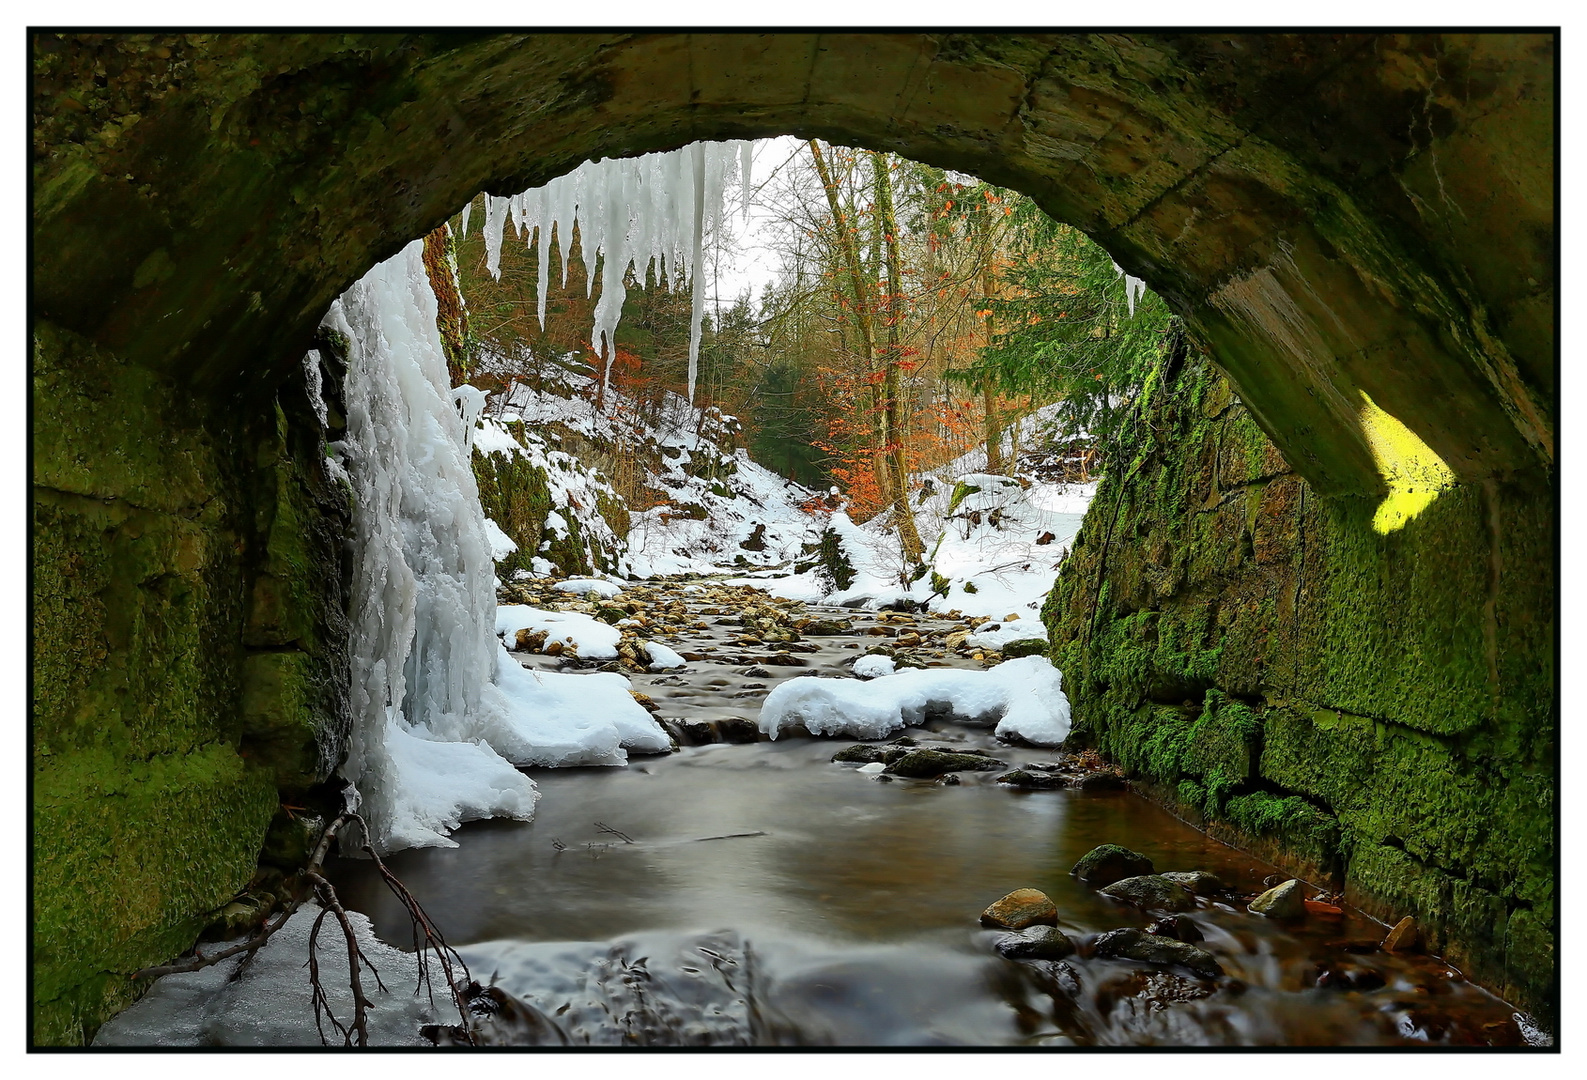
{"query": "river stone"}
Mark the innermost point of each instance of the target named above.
(1020, 909)
(826, 628)
(1152, 891)
(1039, 942)
(1109, 863)
(1286, 901)
(1178, 927)
(860, 754)
(1404, 937)
(1034, 646)
(1197, 881)
(1105, 780)
(925, 763)
(1133, 944)
(1019, 778)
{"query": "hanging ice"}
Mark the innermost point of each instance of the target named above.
(1133, 287)
(441, 712)
(629, 211)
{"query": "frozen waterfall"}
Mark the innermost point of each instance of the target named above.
(442, 713)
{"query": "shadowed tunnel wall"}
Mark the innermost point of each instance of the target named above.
(1335, 217)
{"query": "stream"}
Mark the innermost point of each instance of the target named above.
(756, 893)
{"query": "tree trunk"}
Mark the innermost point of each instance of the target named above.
(994, 420)
(894, 436)
(440, 266)
(862, 296)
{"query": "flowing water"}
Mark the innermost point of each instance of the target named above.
(734, 894)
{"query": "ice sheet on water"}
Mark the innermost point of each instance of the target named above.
(1023, 697)
(268, 1004)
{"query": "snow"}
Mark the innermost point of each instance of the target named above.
(995, 635)
(586, 586)
(629, 210)
(501, 545)
(268, 1004)
(1023, 697)
(663, 658)
(594, 639)
(871, 667)
(573, 719)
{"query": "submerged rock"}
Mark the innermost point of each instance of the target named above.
(1197, 881)
(925, 763)
(860, 754)
(1107, 863)
(1020, 909)
(1286, 901)
(1030, 781)
(1152, 891)
(1133, 944)
(1178, 927)
(1040, 942)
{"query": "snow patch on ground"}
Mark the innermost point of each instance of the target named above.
(594, 639)
(1023, 697)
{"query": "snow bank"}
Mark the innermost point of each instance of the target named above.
(594, 639)
(501, 545)
(1023, 697)
(571, 719)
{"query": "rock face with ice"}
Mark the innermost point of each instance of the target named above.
(1023, 697)
(441, 712)
(629, 211)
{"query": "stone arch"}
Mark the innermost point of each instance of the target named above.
(1333, 214)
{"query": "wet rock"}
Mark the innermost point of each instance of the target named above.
(1106, 780)
(1040, 942)
(1286, 901)
(647, 702)
(948, 780)
(1343, 975)
(529, 640)
(1199, 882)
(738, 729)
(1318, 909)
(957, 638)
(756, 673)
(1405, 937)
(785, 659)
(1029, 781)
(861, 754)
(824, 628)
(1024, 647)
(1272, 880)
(909, 640)
(1133, 944)
(1107, 863)
(1021, 909)
(1148, 991)
(1178, 927)
(1152, 891)
(925, 763)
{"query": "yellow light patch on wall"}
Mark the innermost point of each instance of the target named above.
(1414, 473)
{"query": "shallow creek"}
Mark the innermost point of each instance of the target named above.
(758, 894)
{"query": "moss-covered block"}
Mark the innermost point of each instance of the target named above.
(129, 859)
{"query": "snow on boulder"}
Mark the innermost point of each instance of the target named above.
(585, 586)
(593, 639)
(995, 635)
(873, 667)
(1023, 697)
(443, 784)
(663, 658)
(555, 719)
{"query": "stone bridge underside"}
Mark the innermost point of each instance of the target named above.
(1331, 214)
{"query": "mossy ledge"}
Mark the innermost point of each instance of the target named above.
(1371, 709)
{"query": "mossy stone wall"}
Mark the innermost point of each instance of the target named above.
(1375, 709)
(187, 625)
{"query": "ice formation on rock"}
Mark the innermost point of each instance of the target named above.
(629, 211)
(1133, 287)
(441, 712)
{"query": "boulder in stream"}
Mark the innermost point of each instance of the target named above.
(1021, 909)
(1040, 942)
(1107, 863)
(1029, 781)
(1152, 891)
(927, 762)
(1286, 901)
(1199, 882)
(1133, 944)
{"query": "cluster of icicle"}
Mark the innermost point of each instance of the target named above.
(1133, 287)
(629, 210)
(441, 712)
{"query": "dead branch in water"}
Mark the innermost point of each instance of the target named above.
(427, 938)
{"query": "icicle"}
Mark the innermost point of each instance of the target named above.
(1133, 287)
(495, 218)
(696, 263)
(466, 209)
(746, 158)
